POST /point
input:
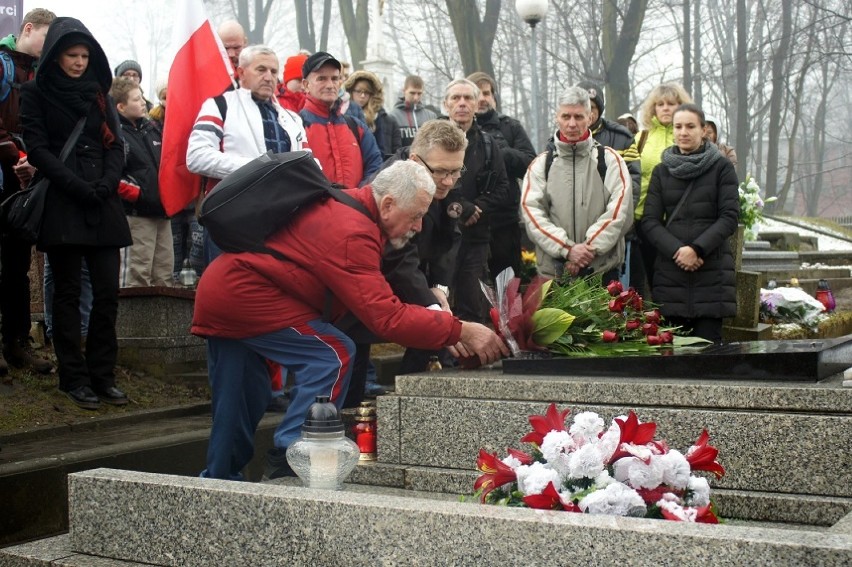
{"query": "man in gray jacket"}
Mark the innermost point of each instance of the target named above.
(577, 206)
(408, 112)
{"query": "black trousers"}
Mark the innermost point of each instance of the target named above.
(505, 249)
(15, 256)
(97, 367)
(709, 328)
(468, 299)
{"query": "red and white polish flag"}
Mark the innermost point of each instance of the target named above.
(200, 70)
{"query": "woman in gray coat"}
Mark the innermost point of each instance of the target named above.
(690, 212)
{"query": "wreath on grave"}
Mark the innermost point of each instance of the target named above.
(621, 470)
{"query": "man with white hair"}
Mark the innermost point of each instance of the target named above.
(239, 125)
(252, 307)
(577, 218)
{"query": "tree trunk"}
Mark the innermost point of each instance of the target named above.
(305, 24)
(356, 26)
(326, 23)
(779, 60)
(741, 102)
(261, 15)
(474, 37)
(697, 95)
(686, 37)
(618, 50)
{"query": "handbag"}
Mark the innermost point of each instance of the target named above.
(23, 211)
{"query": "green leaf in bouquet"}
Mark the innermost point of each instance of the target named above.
(549, 324)
(680, 341)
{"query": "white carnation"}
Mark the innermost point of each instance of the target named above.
(639, 475)
(699, 491)
(556, 447)
(609, 441)
(586, 427)
(512, 462)
(585, 462)
(675, 469)
(603, 480)
(535, 479)
(616, 499)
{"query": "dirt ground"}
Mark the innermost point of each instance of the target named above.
(29, 400)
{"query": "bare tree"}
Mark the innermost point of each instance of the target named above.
(474, 35)
(779, 64)
(618, 48)
(356, 24)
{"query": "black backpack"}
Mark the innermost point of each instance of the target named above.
(259, 198)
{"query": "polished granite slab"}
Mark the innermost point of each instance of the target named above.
(771, 361)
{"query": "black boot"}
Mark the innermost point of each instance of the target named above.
(20, 354)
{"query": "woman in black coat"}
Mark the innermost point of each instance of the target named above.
(83, 216)
(694, 279)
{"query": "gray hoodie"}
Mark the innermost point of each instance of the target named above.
(409, 119)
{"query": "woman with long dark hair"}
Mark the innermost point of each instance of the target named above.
(83, 216)
(691, 210)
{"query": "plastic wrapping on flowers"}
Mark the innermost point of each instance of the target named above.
(591, 468)
(577, 317)
(790, 305)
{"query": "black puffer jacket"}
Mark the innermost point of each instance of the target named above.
(74, 213)
(705, 221)
(143, 146)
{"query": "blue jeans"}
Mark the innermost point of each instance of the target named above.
(85, 299)
(187, 241)
(319, 354)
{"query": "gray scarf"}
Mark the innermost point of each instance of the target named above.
(692, 165)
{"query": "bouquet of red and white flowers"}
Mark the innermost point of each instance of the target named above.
(590, 468)
(578, 317)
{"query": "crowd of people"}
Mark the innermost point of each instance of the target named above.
(445, 199)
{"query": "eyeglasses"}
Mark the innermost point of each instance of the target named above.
(362, 92)
(444, 173)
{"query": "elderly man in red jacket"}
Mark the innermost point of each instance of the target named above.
(253, 306)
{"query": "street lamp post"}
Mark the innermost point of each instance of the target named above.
(532, 12)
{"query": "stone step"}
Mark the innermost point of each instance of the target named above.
(167, 520)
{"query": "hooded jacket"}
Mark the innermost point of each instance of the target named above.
(82, 206)
(384, 127)
(409, 118)
(329, 246)
(572, 204)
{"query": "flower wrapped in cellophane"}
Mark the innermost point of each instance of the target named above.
(577, 317)
(590, 468)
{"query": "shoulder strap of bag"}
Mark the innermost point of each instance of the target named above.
(72, 139)
(643, 137)
(353, 126)
(680, 203)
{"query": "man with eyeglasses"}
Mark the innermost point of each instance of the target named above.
(422, 271)
(483, 191)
